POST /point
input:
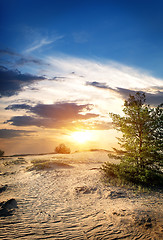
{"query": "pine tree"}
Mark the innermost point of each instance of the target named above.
(142, 140)
(142, 131)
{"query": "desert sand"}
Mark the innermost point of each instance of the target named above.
(68, 200)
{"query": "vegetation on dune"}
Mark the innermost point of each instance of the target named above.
(141, 159)
(62, 149)
(15, 161)
(43, 164)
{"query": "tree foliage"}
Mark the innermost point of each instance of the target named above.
(62, 149)
(142, 139)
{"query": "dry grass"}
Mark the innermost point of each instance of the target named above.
(42, 164)
(15, 162)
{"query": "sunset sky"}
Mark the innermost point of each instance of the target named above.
(65, 64)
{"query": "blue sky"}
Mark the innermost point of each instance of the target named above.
(130, 32)
(65, 64)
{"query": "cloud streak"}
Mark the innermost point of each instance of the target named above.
(56, 115)
(102, 71)
(20, 59)
(98, 85)
(24, 60)
(9, 52)
(154, 98)
(41, 43)
(11, 133)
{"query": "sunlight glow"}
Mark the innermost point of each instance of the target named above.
(82, 136)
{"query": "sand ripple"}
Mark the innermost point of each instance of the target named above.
(72, 203)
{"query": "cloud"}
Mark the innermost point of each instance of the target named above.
(8, 52)
(15, 107)
(103, 125)
(55, 115)
(38, 45)
(62, 111)
(25, 121)
(103, 84)
(41, 43)
(12, 81)
(103, 71)
(28, 121)
(98, 85)
(10, 133)
(154, 98)
(94, 125)
(58, 111)
(22, 61)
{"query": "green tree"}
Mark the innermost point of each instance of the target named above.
(142, 131)
(142, 139)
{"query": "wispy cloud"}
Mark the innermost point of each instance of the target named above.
(111, 73)
(104, 71)
(103, 83)
(41, 43)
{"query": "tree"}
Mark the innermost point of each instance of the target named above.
(1, 153)
(62, 149)
(142, 139)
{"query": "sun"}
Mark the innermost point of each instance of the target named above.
(81, 136)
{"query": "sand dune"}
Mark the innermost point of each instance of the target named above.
(67, 200)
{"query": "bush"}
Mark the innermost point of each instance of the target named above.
(129, 173)
(1, 153)
(110, 169)
(62, 149)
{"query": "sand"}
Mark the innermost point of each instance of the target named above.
(69, 201)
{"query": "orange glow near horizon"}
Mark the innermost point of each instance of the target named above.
(81, 136)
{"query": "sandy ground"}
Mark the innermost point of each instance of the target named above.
(69, 201)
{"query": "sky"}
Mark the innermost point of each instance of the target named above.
(65, 65)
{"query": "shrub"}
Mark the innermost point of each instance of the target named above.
(110, 169)
(128, 173)
(62, 149)
(1, 153)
